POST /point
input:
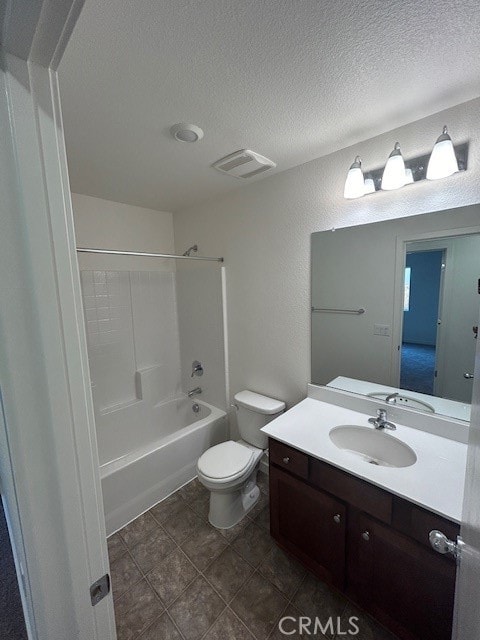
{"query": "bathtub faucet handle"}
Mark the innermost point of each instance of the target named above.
(197, 368)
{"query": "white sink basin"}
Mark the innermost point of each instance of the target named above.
(373, 446)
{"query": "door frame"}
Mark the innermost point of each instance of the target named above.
(49, 469)
(466, 621)
(400, 260)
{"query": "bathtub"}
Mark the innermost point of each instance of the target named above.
(161, 455)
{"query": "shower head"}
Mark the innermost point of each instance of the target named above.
(193, 248)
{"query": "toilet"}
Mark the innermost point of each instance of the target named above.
(229, 470)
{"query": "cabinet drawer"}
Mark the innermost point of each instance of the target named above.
(356, 492)
(417, 522)
(288, 458)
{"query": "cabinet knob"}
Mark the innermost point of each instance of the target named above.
(286, 460)
(337, 518)
(366, 536)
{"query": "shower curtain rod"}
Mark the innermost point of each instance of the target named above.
(145, 255)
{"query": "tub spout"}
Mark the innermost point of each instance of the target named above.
(194, 392)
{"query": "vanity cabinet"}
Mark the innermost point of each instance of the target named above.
(366, 542)
(310, 524)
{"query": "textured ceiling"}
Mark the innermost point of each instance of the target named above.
(291, 79)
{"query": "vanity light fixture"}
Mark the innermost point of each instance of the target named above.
(354, 184)
(443, 162)
(394, 172)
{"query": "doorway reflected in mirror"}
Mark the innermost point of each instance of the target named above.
(416, 281)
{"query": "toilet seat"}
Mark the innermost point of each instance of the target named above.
(227, 461)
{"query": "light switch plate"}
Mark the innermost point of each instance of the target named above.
(381, 329)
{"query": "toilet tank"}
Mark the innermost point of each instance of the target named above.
(254, 412)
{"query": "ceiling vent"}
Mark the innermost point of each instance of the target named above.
(244, 164)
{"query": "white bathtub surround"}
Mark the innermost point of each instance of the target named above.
(164, 451)
(146, 448)
(200, 300)
(435, 481)
(133, 340)
(149, 439)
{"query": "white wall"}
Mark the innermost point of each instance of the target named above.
(102, 224)
(263, 231)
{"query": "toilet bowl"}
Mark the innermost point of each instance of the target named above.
(229, 470)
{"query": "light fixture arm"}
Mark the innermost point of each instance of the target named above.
(357, 163)
(444, 135)
(396, 150)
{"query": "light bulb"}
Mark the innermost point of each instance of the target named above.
(394, 173)
(369, 185)
(443, 161)
(354, 183)
(408, 176)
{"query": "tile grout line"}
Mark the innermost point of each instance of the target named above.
(200, 573)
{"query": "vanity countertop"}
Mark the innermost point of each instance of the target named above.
(435, 481)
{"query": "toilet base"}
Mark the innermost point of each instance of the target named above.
(228, 508)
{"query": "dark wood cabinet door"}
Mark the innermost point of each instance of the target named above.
(310, 524)
(403, 584)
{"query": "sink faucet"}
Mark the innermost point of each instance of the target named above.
(380, 422)
(194, 392)
(391, 398)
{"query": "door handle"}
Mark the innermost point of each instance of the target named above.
(441, 544)
(468, 376)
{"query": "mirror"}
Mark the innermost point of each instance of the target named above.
(395, 309)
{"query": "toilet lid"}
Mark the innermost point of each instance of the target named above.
(225, 460)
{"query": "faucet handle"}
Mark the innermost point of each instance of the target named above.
(197, 368)
(382, 414)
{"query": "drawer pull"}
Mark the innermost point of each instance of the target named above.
(337, 518)
(366, 536)
(286, 460)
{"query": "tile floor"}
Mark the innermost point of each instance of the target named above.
(175, 577)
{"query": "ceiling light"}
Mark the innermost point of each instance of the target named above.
(354, 184)
(443, 161)
(394, 172)
(186, 132)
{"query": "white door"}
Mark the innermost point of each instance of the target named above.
(49, 469)
(467, 596)
(461, 306)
